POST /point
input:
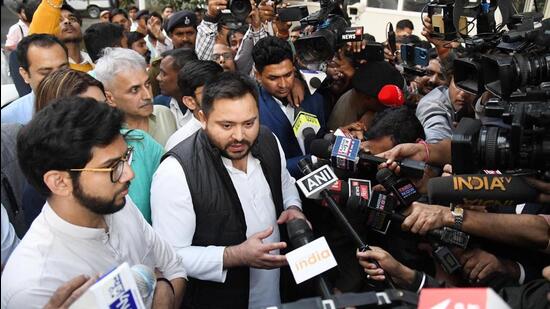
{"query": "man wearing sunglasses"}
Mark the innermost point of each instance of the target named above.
(73, 153)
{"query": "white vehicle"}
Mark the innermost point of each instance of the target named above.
(92, 7)
(374, 15)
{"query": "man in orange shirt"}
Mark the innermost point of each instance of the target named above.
(62, 20)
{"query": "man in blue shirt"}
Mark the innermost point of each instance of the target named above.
(38, 55)
(276, 74)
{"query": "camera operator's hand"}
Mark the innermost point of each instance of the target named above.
(154, 25)
(215, 7)
(401, 274)
(436, 154)
(479, 264)
(440, 44)
(354, 130)
(422, 218)
(388, 55)
(69, 292)
(406, 150)
(266, 11)
(254, 253)
(297, 93)
(356, 47)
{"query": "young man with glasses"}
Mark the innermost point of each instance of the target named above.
(88, 224)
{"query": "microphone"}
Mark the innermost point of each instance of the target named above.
(343, 156)
(339, 191)
(402, 188)
(305, 168)
(391, 96)
(146, 282)
(313, 79)
(482, 190)
(406, 194)
(300, 234)
(305, 129)
(122, 287)
(382, 208)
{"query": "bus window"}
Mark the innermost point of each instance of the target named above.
(382, 4)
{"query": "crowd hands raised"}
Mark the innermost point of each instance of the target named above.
(169, 142)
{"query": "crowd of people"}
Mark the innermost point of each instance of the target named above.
(168, 139)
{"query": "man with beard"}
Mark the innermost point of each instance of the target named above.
(182, 29)
(123, 73)
(67, 30)
(218, 196)
(86, 226)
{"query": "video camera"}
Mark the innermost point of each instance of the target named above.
(521, 143)
(505, 62)
(449, 17)
(240, 9)
(331, 31)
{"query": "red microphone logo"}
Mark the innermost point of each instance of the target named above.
(391, 96)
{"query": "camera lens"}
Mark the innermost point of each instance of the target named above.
(240, 9)
(494, 148)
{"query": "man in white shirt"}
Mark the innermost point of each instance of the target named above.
(191, 80)
(171, 63)
(19, 30)
(219, 196)
(85, 226)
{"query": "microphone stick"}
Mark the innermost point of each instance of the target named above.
(341, 219)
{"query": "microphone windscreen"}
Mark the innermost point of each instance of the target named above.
(482, 190)
(383, 174)
(315, 82)
(321, 148)
(391, 96)
(145, 280)
(299, 232)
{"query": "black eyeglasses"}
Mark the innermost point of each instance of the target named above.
(116, 171)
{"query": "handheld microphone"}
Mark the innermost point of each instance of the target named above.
(313, 79)
(339, 216)
(482, 190)
(305, 129)
(383, 211)
(342, 156)
(146, 282)
(122, 287)
(300, 234)
(391, 96)
(406, 194)
(402, 188)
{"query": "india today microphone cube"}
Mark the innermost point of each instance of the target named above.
(345, 153)
(467, 298)
(116, 289)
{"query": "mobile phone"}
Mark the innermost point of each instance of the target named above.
(391, 39)
(373, 52)
(293, 13)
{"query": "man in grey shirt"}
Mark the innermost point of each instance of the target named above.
(440, 110)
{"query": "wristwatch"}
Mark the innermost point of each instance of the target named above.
(458, 214)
